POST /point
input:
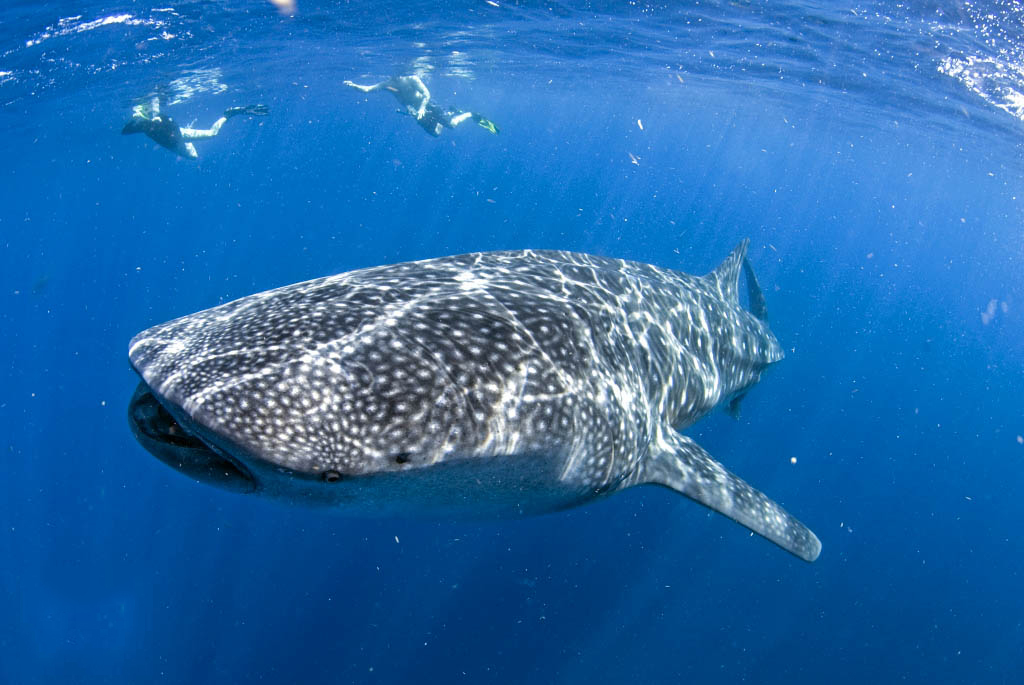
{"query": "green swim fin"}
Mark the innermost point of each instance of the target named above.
(487, 124)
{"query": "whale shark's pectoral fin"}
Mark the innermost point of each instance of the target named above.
(679, 463)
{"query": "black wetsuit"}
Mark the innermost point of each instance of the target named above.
(434, 118)
(162, 130)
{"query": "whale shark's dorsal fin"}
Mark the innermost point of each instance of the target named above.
(679, 463)
(726, 276)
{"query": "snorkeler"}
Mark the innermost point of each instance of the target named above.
(166, 132)
(413, 94)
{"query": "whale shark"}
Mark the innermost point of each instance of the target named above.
(491, 384)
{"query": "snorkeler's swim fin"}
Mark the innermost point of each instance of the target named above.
(486, 123)
(254, 110)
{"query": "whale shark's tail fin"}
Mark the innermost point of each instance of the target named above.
(679, 463)
(758, 307)
(726, 279)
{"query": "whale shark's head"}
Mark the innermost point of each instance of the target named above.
(299, 389)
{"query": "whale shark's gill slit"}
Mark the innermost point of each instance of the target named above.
(439, 363)
(525, 331)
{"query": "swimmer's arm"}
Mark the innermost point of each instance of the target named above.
(196, 133)
(365, 89)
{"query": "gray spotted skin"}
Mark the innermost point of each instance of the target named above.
(509, 382)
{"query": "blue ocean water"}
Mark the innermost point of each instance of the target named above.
(871, 151)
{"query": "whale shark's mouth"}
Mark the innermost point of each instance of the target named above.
(163, 437)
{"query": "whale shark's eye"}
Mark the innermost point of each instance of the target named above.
(403, 457)
(332, 476)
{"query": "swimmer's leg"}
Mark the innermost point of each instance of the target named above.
(456, 119)
(203, 133)
(484, 122)
(453, 119)
(185, 149)
(366, 89)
